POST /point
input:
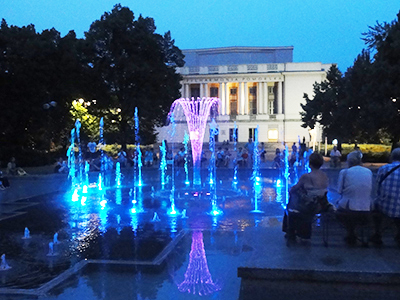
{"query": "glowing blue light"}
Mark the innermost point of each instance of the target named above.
(83, 200)
(100, 184)
(278, 183)
(187, 182)
(215, 212)
(85, 189)
(172, 212)
(103, 203)
(133, 210)
(134, 201)
(211, 181)
(75, 196)
(139, 183)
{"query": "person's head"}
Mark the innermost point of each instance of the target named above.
(395, 156)
(353, 159)
(316, 160)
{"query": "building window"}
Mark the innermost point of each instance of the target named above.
(252, 132)
(195, 91)
(271, 110)
(273, 134)
(233, 101)
(213, 92)
(253, 100)
(232, 138)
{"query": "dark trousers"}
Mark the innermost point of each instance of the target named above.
(351, 219)
(297, 224)
(378, 218)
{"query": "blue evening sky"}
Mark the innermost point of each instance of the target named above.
(327, 31)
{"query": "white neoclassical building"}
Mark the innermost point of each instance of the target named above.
(257, 86)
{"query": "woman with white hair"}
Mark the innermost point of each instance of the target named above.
(354, 187)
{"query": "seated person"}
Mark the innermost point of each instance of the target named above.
(4, 183)
(180, 157)
(61, 166)
(306, 198)
(122, 157)
(277, 159)
(227, 157)
(354, 187)
(148, 157)
(220, 157)
(387, 202)
(12, 168)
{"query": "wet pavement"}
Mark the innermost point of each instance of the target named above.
(267, 268)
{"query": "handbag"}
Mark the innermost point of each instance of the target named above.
(307, 204)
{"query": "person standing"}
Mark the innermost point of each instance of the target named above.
(335, 157)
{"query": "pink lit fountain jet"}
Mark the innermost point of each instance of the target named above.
(196, 112)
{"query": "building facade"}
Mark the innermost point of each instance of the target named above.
(257, 86)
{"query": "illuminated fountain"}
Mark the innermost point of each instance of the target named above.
(196, 112)
(257, 188)
(198, 279)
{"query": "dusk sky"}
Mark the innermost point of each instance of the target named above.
(320, 31)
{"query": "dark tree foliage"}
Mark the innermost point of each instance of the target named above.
(36, 69)
(364, 104)
(137, 69)
(327, 106)
(386, 78)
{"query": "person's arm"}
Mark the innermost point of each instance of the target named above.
(341, 182)
(299, 184)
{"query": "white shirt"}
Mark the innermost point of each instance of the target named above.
(355, 186)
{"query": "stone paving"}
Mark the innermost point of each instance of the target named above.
(306, 270)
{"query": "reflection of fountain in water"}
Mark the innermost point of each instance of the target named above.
(3, 265)
(26, 234)
(198, 279)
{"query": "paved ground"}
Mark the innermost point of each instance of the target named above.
(275, 271)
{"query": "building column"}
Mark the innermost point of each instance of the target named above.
(185, 91)
(206, 91)
(246, 98)
(279, 97)
(203, 90)
(260, 89)
(227, 103)
(265, 97)
(221, 93)
(241, 99)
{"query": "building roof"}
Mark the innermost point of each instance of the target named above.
(237, 56)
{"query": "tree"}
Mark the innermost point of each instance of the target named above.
(364, 104)
(385, 80)
(327, 107)
(136, 67)
(35, 70)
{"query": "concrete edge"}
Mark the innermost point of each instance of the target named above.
(386, 278)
